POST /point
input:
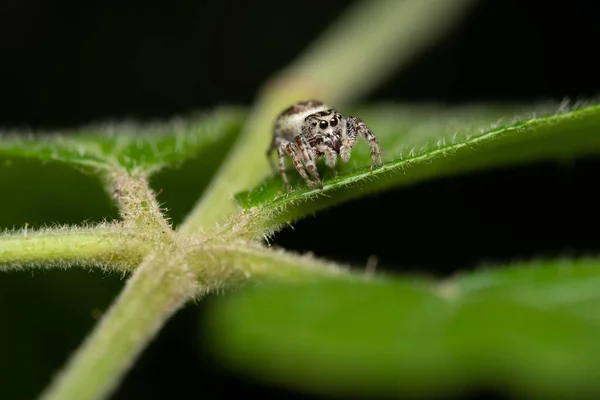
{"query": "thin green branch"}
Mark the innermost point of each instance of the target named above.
(385, 34)
(110, 247)
(178, 269)
(234, 264)
(137, 203)
(157, 289)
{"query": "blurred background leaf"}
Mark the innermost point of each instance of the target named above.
(397, 337)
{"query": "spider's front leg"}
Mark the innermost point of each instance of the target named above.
(308, 159)
(282, 169)
(296, 155)
(354, 127)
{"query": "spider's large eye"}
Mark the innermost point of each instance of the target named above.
(323, 124)
(333, 122)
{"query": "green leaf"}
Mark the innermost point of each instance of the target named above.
(131, 146)
(336, 337)
(421, 143)
(572, 287)
(528, 330)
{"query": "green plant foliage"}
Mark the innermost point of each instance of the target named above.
(422, 143)
(299, 322)
(521, 329)
(181, 155)
(127, 145)
(571, 287)
(513, 327)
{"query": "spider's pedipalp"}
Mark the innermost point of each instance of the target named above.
(329, 154)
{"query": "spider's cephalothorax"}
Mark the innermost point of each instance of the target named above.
(309, 130)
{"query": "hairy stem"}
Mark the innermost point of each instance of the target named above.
(158, 288)
(236, 263)
(354, 56)
(108, 247)
(137, 203)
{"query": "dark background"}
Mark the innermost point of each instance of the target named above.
(67, 63)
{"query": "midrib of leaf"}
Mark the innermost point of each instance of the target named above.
(527, 140)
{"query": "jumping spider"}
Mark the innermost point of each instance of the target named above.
(309, 130)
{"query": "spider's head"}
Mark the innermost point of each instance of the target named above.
(326, 123)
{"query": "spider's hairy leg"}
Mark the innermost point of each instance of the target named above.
(355, 126)
(282, 169)
(329, 153)
(295, 154)
(279, 144)
(347, 145)
(308, 159)
(348, 141)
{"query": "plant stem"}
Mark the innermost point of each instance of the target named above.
(243, 261)
(107, 247)
(158, 288)
(355, 55)
(138, 205)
